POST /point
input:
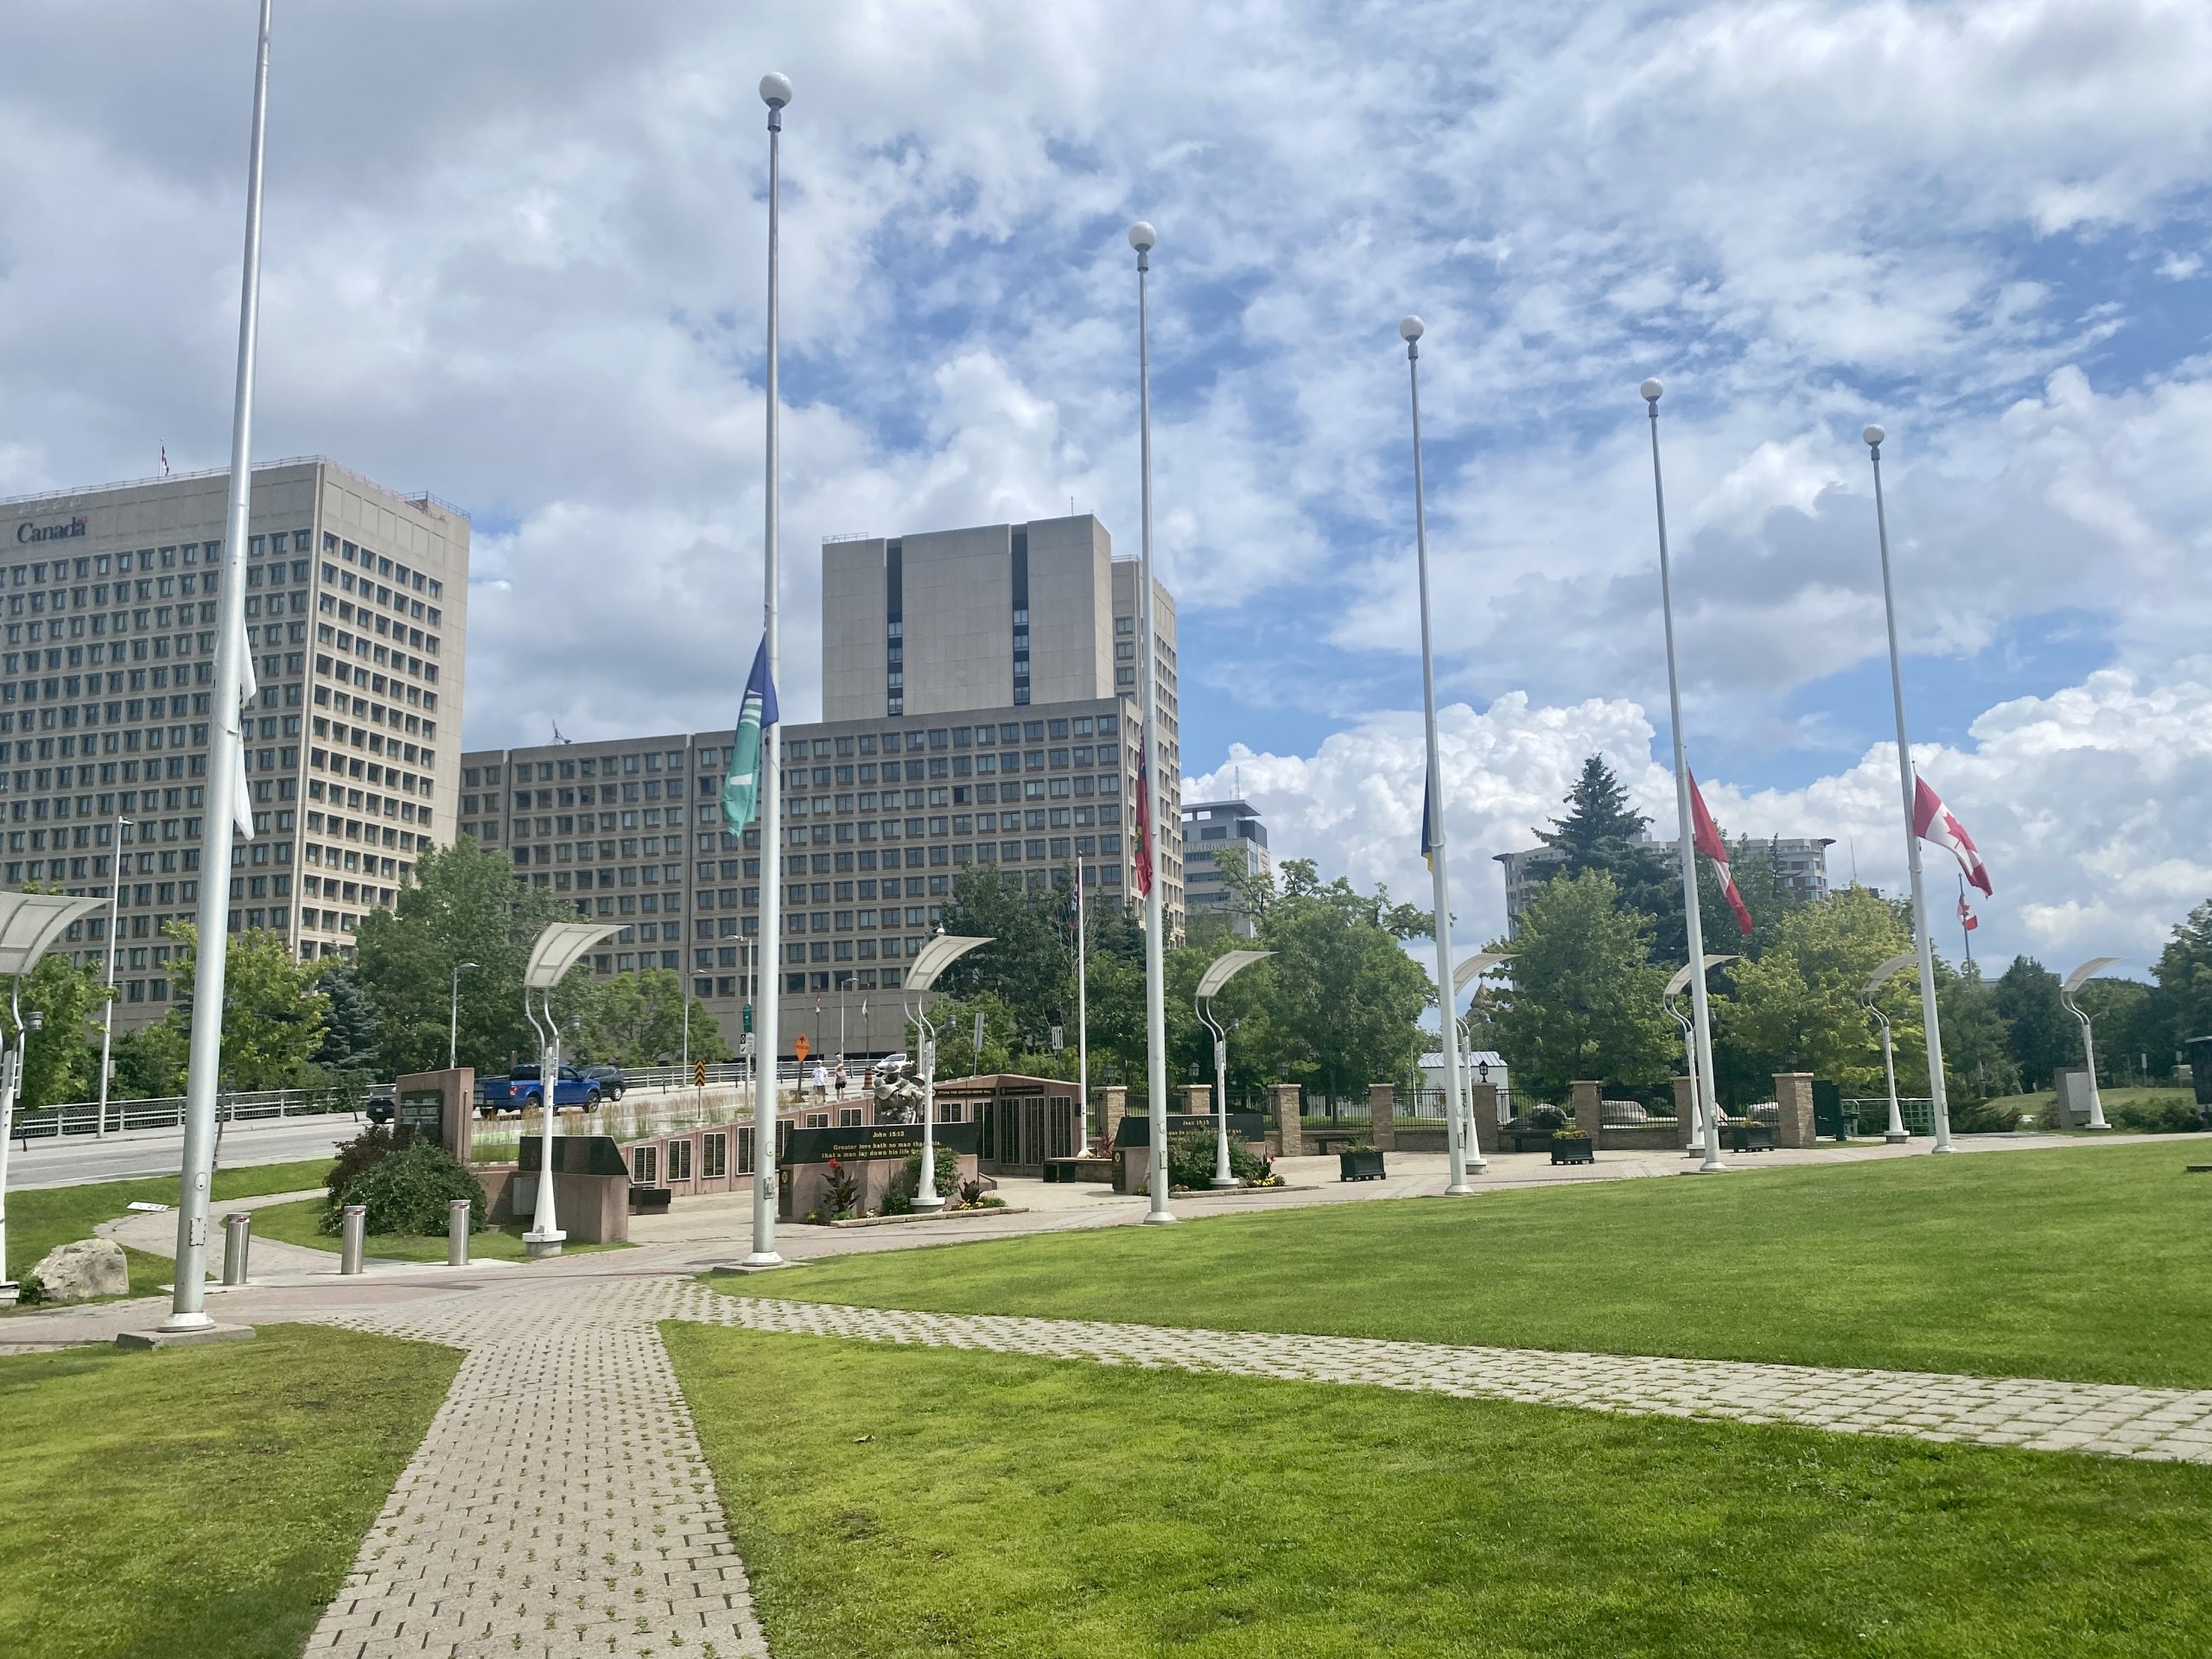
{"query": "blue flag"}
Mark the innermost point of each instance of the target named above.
(741, 790)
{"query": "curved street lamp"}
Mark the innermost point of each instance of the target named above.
(1465, 974)
(2075, 980)
(936, 955)
(1693, 1130)
(1895, 1133)
(1224, 969)
(559, 948)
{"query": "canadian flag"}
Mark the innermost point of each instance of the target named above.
(1933, 821)
(1968, 920)
(1708, 841)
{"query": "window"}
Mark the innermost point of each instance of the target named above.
(714, 1156)
(679, 1161)
(644, 1166)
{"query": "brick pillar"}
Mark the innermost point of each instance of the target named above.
(1482, 1098)
(1198, 1099)
(1382, 1116)
(1685, 1113)
(1793, 1092)
(1290, 1131)
(1108, 1106)
(1583, 1098)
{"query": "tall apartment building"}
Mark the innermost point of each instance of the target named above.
(356, 609)
(1208, 828)
(1801, 863)
(960, 728)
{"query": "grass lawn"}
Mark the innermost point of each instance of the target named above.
(2117, 1102)
(45, 1217)
(203, 1500)
(2093, 1262)
(300, 1223)
(922, 1501)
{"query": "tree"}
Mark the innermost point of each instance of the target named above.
(639, 1019)
(1602, 833)
(2042, 1035)
(2128, 1028)
(61, 1059)
(2184, 976)
(1799, 1007)
(1978, 1062)
(149, 1062)
(1029, 963)
(1585, 997)
(349, 1031)
(273, 1011)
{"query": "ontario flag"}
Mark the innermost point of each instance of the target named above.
(1144, 817)
(1708, 841)
(1933, 821)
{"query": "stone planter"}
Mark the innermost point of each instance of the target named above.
(1360, 1165)
(1573, 1149)
(1751, 1137)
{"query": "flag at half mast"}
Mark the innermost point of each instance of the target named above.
(742, 789)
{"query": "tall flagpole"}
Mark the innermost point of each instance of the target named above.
(187, 1309)
(1432, 800)
(1938, 1106)
(768, 960)
(1142, 238)
(1692, 922)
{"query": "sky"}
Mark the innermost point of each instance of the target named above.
(515, 255)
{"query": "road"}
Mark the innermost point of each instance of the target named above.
(74, 1159)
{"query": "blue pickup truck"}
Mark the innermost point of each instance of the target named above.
(526, 1091)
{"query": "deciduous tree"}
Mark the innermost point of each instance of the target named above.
(1583, 1000)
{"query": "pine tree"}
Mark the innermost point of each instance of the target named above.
(1602, 833)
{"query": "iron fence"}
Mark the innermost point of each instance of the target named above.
(1917, 1114)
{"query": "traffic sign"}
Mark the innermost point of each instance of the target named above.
(749, 1016)
(698, 1074)
(801, 1046)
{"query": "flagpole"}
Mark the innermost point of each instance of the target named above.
(1082, 1026)
(186, 1307)
(1432, 804)
(1938, 1106)
(1966, 927)
(1142, 238)
(775, 92)
(1692, 921)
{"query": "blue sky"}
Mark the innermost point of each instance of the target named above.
(526, 271)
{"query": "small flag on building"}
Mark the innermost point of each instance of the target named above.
(1933, 821)
(1706, 837)
(1144, 818)
(741, 790)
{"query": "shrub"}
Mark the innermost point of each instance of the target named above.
(1190, 1160)
(30, 1292)
(1547, 1117)
(407, 1191)
(2174, 1117)
(898, 1199)
(1982, 1117)
(359, 1155)
(841, 1192)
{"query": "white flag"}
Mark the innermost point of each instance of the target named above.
(241, 799)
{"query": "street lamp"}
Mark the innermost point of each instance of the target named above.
(559, 948)
(1895, 1134)
(1462, 976)
(937, 955)
(2075, 980)
(107, 1008)
(1693, 1131)
(1939, 1105)
(452, 1019)
(1701, 1083)
(1223, 969)
(31, 923)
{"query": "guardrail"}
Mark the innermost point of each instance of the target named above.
(167, 1112)
(1916, 1113)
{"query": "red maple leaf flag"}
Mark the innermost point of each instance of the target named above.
(1708, 841)
(1144, 819)
(1968, 920)
(1933, 822)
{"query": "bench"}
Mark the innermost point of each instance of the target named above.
(645, 1200)
(1321, 1141)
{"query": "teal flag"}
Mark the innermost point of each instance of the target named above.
(742, 789)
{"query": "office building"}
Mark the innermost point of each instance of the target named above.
(1799, 863)
(1209, 828)
(960, 729)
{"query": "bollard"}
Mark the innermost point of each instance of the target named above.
(237, 1240)
(457, 1220)
(349, 1249)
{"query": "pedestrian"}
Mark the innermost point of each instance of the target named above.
(821, 1080)
(844, 1080)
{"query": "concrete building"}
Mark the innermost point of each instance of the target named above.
(356, 616)
(1008, 729)
(1208, 828)
(1801, 863)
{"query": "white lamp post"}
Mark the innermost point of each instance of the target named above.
(559, 948)
(29, 924)
(1701, 1083)
(1462, 976)
(936, 955)
(107, 1008)
(2075, 980)
(1939, 1105)
(1218, 973)
(453, 1017)
(1895, 1134)
(1693, 1131)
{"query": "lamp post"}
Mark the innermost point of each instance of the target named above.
(1692, 1130)
(107, 1008)
(1895, 1134)
(1939, 1105)
(2075, 980)
(452, 1019)
(1462, 976)
(936, 956)
(1143, 238)
(559, 948)
(1432, 800)
(29, 924)
(1218, 973)
(1701, 1083)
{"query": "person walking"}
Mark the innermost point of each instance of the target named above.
(844, 1080)
(821, 1081)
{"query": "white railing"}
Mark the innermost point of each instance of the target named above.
(167, 1112)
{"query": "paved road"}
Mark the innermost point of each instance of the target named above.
(74, 1159)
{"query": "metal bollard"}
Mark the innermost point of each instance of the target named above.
(457, 1220)
(355, 1223)
(238, 1241)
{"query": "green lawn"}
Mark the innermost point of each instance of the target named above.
(892, 1501)
(300, 1223)
(205, 1501)
(45, 1217)
(2125, 1108)
(2091, 1262)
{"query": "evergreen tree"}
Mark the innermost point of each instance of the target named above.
(1978, 1062)
(1601, 833)
(2042, 1035)
(2184, 1008)
(349, 1033)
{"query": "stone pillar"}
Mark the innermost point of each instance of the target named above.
(1583, 1100)
(1289, 1100)
(1108, 1106)
(1793, 1093)
(1483, 1098)
(1382, 1116)
(1198, 1099)
(1686, 1114)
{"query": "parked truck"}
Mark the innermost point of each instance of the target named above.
(572, 1088)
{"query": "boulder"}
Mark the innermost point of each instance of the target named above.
(78, 1272)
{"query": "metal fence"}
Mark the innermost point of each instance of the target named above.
(1917, 1114)
(166, 1111)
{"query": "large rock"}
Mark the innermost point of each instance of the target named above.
(78, 1272)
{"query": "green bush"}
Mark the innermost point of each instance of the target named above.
(1982, 1117)
(359, 1155)
(407, 1191)
(2174, 1117)
(1190, 1160)
(899, 1200)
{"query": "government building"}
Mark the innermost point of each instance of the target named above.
(356, 611)
(981, 708)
